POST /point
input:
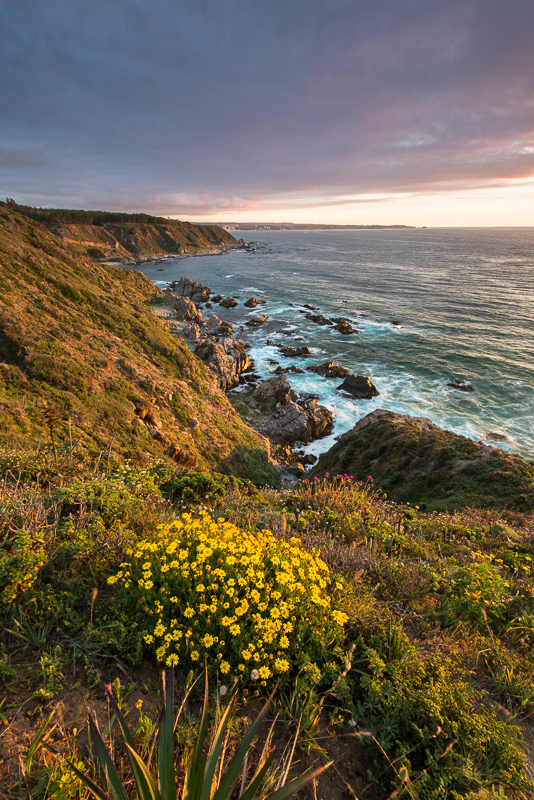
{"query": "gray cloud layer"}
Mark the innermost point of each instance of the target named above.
(186, 106)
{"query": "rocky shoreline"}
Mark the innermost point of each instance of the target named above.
(271, 406)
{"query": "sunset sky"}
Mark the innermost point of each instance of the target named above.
(418, 112)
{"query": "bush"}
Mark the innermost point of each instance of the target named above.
(251, 605)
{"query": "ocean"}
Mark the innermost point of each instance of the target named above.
(464, 298)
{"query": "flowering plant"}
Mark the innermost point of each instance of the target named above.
(251, 605)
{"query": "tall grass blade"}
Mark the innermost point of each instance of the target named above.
(112, 776)
(167, 779)
(195, 772)
(214, 752)
(144, 782)
(295, 785)
(235, 764)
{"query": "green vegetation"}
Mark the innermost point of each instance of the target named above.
(399, 637)
(204, 774)
(86, 367)
(117, 236)
(422, 651)
(415, 461)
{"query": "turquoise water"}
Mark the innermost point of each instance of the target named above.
(464, 298)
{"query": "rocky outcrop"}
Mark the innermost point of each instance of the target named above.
(282, 370)
(279, 388)
(227, 359)
(252, 302)
(329, 370)
(319, 319)
(186, 287)
(186, 311)
(415, 461)
(257, 320)
(216, 327)
(291, 420)
(229, 302)
(359, 387)
(343, 326)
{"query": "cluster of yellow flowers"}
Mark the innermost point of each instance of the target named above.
(243, 600)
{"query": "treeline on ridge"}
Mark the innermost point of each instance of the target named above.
(68, 216)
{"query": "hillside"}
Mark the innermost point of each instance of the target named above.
(397, 641)
(78, 338)
(126, 237)
(415, 461)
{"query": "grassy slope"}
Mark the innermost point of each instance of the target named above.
(127, 237)
(80, 336)
(415, 461)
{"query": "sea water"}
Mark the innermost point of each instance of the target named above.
(464, 299)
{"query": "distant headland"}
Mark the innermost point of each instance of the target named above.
(299, 226)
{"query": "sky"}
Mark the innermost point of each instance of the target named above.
(416, 112)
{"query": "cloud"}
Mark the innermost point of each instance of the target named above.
(193, 106)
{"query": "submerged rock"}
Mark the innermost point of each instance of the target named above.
(461, 387)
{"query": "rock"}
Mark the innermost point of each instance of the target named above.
(216, 327)
(311, 308)
(191, 333)
(319, 319)
(495, 437)
(259, 319)
(253, 302)
(228, 302)
(186, 310)
(296, 422)
(270, 343)
(396, 322)
(329, 370)
(186, 287)
(280, 370)
(462, 387)
(296, 468)
(227, 359)
(359, 387)
(278, 387)
(343, 326)
(217, 298)
(320, 419)
(309, 458)
(291, 351)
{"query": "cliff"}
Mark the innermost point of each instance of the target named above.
(126, 237)
(79, 338)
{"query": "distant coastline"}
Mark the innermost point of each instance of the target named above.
(300, 226)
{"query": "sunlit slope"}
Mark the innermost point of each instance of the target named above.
(80, 337)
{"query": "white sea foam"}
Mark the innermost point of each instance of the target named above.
(460, 320)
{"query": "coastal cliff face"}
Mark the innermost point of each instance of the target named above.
(127, 237)
(79, 338)
(128, 241)
(415, 461)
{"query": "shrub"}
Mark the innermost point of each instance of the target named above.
(251, 605)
